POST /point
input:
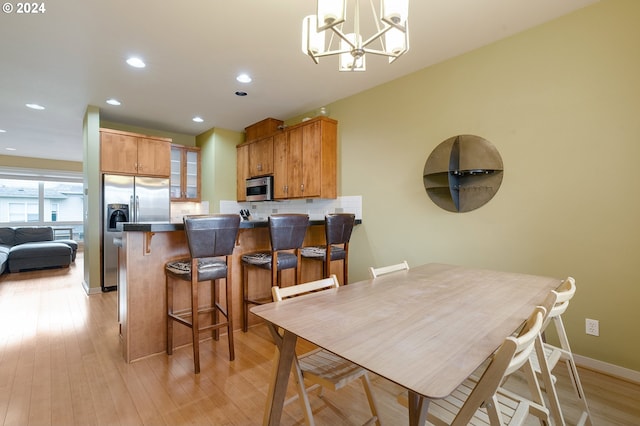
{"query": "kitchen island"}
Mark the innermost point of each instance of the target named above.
(143, 251)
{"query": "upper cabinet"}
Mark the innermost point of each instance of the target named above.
(242, 171)
(266, 127)
(302, 159)
(134, 154)
(305, 159)
(261, 157)
(185, 173)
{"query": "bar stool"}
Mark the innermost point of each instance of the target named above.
(338, 227)
(211, 240)
(286, 233)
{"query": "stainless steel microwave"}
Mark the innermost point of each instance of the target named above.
(259, 189)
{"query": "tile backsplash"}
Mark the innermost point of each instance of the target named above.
(179, 209)
(316, 208)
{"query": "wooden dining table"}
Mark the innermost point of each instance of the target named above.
(426, 329)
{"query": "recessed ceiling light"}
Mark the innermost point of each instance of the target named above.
(35, 106)
(3, 131)
(198, 119)
(10, 149)
(114, 102)
(244, 78)
(240, 93)
(136, 62)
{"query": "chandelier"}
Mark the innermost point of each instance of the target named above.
(391, 36)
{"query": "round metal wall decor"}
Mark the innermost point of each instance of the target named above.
(463, 173)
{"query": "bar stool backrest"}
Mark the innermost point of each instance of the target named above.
(287, 231)
(211, 235)
(338, 227)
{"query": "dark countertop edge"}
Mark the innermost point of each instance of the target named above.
(169, 227)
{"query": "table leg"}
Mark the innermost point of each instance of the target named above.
(279, 376)
(418, 406)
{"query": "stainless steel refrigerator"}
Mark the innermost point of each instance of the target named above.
(135, 199)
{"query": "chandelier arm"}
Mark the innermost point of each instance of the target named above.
(375, 15)
(332, 52)
(383, 53)
(340, 34)
(376, 36)
(313, 56)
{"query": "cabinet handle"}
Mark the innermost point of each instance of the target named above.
(302, 187)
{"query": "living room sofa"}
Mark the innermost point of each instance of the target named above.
(24, 248)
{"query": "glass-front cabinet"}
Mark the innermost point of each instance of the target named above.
(185, 173)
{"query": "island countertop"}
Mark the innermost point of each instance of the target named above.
(169, 227)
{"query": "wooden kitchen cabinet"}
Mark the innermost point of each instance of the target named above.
(261, 157)
(253, 159)
(242, 171)
(305, 158)
(302, 159)
(282, 155)
(262, 128)
(134, 154)
(185, 173)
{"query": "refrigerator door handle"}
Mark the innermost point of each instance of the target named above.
(137, 208)
(132, 211)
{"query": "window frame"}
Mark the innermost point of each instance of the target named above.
(43, 177)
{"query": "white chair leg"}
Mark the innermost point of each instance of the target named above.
(585, 419)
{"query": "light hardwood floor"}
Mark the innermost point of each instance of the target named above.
(60, 364)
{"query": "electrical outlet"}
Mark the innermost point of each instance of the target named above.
(592, 327)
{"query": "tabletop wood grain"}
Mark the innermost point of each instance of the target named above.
(426, 329)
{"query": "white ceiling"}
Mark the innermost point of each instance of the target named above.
(73, 55)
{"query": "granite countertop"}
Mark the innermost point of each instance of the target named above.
(168, 227)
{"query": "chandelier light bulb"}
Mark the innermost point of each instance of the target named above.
(330, 13)
(395, 11)
(312, 40)
(394, 41)
(353, 59)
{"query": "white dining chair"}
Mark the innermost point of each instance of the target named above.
(319, 367)
(553, 354)
(383, 270)
(481, 399)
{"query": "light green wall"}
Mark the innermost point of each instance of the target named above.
(218, 159)
(91, 172)
(40, 163)
(561, 103)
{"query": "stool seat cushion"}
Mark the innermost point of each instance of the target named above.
(320, 252)
(208, 269)
(286, 260)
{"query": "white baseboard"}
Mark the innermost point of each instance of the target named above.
(606, 368)
(93, 290)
